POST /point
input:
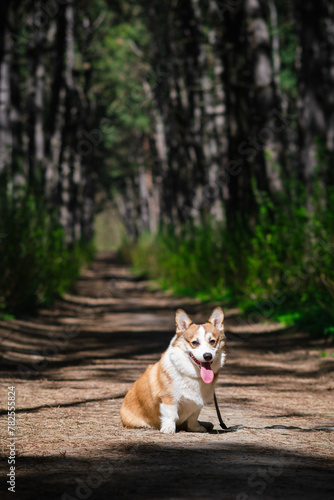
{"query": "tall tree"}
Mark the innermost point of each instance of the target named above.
(5, 62)
(256, 133)
(43, 146)
(316, 86)
(188, 110)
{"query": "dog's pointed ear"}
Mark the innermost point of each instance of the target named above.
(182, 321)
(216, 319)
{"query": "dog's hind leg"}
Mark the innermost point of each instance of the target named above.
(192, 423)
(132, 420)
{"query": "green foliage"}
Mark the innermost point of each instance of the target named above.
(188, 262)
(276, 245)
(117, 61)
(35, 264)
(289, 265)
(282, 268)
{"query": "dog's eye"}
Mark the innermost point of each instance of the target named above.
(212, 342)
(195, 343)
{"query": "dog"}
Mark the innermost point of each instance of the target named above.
(172, 392)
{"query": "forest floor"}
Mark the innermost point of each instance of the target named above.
(72, 364)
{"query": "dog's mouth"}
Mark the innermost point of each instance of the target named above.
(206, 371)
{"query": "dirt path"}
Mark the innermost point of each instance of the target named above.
(89, 348)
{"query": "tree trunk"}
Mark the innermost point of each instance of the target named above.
(238, 82)
(316, 85)
(55, 114)
(265, 97)
(5, 95)
(329, 91)
(69, 163)
(255, 140)
(188, 113)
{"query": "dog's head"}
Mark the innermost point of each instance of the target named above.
(204, 344)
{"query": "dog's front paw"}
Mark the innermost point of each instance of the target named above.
(169, 428)
(208, 425)
(196, 428)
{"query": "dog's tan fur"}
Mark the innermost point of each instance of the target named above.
(141, 404)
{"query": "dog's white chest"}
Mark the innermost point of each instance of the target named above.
(188, 388)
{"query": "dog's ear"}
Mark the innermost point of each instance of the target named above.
(216, 319)
(182, 321)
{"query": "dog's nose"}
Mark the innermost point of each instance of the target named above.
(207, 356)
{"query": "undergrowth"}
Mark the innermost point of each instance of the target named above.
(281, 268)
(35, 263)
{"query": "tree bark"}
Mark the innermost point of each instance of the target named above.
(5, 95)
(54, 120)
(316, 86)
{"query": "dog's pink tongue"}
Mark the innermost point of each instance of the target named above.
(207, 374)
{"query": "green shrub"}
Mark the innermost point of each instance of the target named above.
(189, 262)
(284, 264)
(291, 256)
(35, 264)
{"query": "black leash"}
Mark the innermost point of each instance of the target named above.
(222, 425)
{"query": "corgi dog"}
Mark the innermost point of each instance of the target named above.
(174, 390)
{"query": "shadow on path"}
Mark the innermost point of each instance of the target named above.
(153, 471)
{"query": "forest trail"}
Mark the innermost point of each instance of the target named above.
(88, 349)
